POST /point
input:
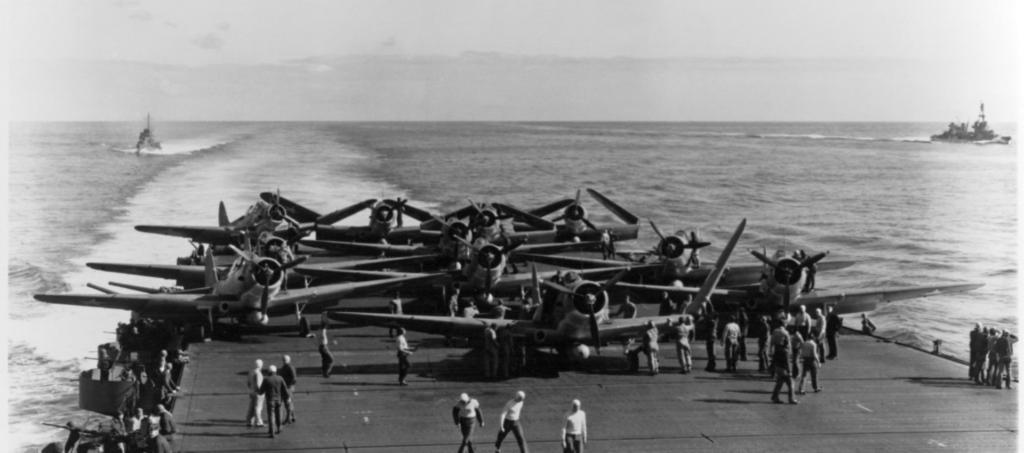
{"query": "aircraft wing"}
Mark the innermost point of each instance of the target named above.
(619, 211)
(204, 235)
(327, 295)
(373, 264)
(367, 248)
(169, 272)
(540, 249)
(716, 295)
(437, 325)
(344, 213)
(551, 208)
(575, 262)
(162, 305)
(860, 300)
(525, 217)
(412, 211)
(352, 274)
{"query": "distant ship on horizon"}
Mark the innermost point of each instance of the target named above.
(979, 133)
(147, 140)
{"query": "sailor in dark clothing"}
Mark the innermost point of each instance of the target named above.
(832, 325)
(290, 378)
(275, 391)
(978, 345)
(667, 307)
(711, 328)
(158, 443)
(167, 425)
(744, 322)
(1004, 354)
(762, 343)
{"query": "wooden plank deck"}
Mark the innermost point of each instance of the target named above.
(878, 397)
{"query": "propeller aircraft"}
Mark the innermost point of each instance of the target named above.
(578, 321)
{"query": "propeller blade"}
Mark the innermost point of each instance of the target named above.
(536, 285)
(558, 287)
(611, 282)
(265, 300)
(764, 259)
(467, 244)
(788, 296)
(242, 254)
(589, 225)
(716, 273)
(478, 210)
(595, 332)
(657, 230)
(294, 262)
(812, 260)
(578, 193)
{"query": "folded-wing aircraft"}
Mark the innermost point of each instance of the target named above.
(192, 277)
(782, 279)
(277, 215)
(576, 222)
(484, 271)
(577, 319)
(250, 291)
(674, 268)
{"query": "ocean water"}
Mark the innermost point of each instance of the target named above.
(909, 212)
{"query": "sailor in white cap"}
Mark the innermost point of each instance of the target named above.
(509, 421)
(466, 415)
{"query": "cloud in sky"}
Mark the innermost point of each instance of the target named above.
(209, 41)
(224, 26)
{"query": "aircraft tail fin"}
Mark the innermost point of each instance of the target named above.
(211, 273)
(610, 205)
(222, 216)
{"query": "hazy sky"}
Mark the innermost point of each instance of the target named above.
(521, 60)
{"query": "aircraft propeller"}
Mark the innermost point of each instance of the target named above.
(591, 301)
(576, 213)
(788, 269)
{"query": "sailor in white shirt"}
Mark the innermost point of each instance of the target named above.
(574, 430)
(509, 421)
(255, 381)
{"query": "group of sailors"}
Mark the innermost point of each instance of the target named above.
(126, 432)
(996, 348)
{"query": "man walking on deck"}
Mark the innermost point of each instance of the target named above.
(290, 378)
(509, 421)
(781, 357)
(467, 415)
(255, 379)
(809, 357)
(710, 326)
(326, 358)
(274, 390)
(403, 356)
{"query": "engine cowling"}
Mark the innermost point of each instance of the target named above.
(574, 215)
(256, 318)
